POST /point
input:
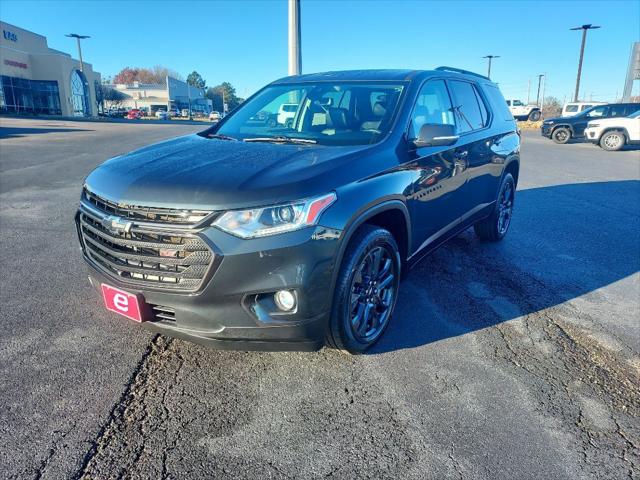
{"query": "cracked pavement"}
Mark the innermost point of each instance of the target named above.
(511, 360)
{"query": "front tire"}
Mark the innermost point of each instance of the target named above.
(366, 290)
(535, 116)
(495, 226)
(561, 135)
(613, 141)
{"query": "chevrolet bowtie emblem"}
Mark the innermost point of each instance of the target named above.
(116, 224)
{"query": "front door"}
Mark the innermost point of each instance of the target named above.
(435, 199)
(601, 111)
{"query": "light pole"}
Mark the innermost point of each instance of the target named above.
(78, 38)
(538, 94)
(584, 29)
(295, 53)
(490, 57)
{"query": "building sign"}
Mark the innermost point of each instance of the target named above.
(13, 63)
(9, 35)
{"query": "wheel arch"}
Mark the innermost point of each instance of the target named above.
(623, 130)
(563, 125)
(383, 214)
(512, 167)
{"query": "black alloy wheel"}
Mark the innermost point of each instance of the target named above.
(373, 293)
(495, 226)
(505, 208)
(366, 290)
(561, 135)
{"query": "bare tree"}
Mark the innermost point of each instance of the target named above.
(552, 107)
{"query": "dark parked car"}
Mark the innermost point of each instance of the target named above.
(258, 236)
(563, 129)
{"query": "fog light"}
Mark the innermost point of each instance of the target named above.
(285, 300)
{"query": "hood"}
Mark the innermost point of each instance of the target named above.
(569, 119)
(194, 172)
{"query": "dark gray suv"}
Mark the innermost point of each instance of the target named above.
(273, 231)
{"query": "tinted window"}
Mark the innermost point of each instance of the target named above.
(466, 107)
(618, 110)
(432, 106)
(495, 98)
(571, 108)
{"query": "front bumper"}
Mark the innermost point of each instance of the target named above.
(234, 309)
(546, 130)
(592, 134)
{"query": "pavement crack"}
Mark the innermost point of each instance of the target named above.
(134, 388)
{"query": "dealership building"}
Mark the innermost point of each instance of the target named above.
(169, 95)
(36, 79)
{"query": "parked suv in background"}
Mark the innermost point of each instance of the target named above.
(614, 133)
(251, 236)
(521, 111)
(563, 129)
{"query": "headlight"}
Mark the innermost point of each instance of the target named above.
(549, 122)
(261, 222)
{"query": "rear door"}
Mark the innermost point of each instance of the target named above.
(472, 120)
(435, 200)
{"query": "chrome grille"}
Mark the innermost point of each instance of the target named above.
(144, 256)
(145, 214)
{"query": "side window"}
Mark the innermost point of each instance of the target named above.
(598, 112)
(496, 99)
(469, 114)
(432, 106)
(618, 110)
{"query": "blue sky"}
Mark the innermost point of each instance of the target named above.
(245, 42)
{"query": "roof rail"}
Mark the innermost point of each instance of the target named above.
(460, 70)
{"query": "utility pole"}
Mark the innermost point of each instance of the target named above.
(538, 94)
(78, 38)
(490, 57)
(528, 90)
(295, 53)
(544, 84)
(584, 29)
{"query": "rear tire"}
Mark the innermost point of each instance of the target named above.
(613, 141)
(366, 290)
(495, 226)
(535, 116)
(561, 135)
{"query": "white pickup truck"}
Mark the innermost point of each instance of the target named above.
(614, 133)
(520, 111)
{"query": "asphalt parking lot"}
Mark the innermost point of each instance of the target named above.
(511, 360)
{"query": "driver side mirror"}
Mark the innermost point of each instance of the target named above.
(435, 135)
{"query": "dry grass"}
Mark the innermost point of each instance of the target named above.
(527, 125)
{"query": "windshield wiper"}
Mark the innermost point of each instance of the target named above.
(281, 139)
(221, 137)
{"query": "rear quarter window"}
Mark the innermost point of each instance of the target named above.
(497, 102)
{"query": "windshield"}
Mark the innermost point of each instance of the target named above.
(327, 113)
